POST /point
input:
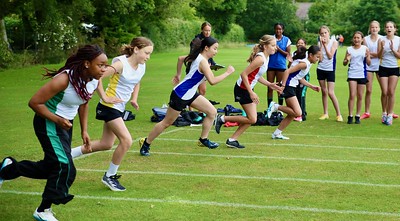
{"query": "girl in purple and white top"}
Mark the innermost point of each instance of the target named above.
(293, 77)
(185, 94)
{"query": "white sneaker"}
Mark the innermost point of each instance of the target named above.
(272, 108)
(7, 161)
(279, 137)
(47, 215)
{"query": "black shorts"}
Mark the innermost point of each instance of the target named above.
(178, 104)
(326, 75)
(358, 80)
(107, 113)
(387, 72)
(288, 92)
(241, 95)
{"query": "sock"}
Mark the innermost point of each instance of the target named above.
(231, 139)
(223, 118)
(112, 170)
(277, 131)
(277, 106)
(202, 139)
(76, 152)
(280, 101)
(45, 204)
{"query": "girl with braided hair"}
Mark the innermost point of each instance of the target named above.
(123, 87)
(244, 89)
(55, 105)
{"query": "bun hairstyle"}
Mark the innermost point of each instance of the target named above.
(300, 53)
(264, 40)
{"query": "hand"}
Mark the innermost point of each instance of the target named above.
(254, 98)
(64, 123)
(135, 105)
(112, 100)
(176, 79)
(276, 87)
(230, 69)
(315, 88)
(86, 143)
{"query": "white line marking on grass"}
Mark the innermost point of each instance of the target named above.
(284, 143)
(312, 135)
(277, 158)
(221, 204)
(249, 177)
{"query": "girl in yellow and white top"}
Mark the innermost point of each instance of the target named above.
(128, 69)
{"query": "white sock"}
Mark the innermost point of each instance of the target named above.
(76, 152)
(231, 139)
(112, 170)
(277, 106)
(277, 131)
(223, 118)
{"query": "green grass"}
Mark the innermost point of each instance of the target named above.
(326, 171)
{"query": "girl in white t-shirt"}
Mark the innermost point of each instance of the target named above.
(357, 57)
(371, 41)
(389, 53)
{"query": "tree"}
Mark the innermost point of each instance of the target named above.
(260, 17)
(220, 13)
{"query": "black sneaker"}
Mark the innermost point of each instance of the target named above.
(207, 143)
(144, 150)
(112, 182)
(349, 119)
(218, 123)
(357, 121)
(234, 144)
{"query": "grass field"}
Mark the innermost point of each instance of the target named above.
(326, 171)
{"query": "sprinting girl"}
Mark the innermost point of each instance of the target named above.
(326, 72)
(127, 72)
(389, 52)
(357, 57)
(244, 89)
(185, 94)
(294, 76)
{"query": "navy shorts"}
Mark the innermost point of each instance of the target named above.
(241, 95)
(107, 113)
(326, 75)
(178, 104)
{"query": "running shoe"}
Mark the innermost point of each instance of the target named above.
(389, 120)
(46, 215)
(279, 137)
(339, 118)
(383, 119)
(144, 150)
(112, 182)
(357, 120)
(298, 119)
(365, 116)
(218, 123)
(207, 143)
(395, 116)
(7, 161)
(349, 119)
(324, 117)
(271, 108)
(234, 144)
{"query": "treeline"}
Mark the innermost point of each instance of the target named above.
(46, 31)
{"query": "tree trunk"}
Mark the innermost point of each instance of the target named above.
(3, 33)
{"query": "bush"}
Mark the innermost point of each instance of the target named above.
(235, 35)
(6, 56)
